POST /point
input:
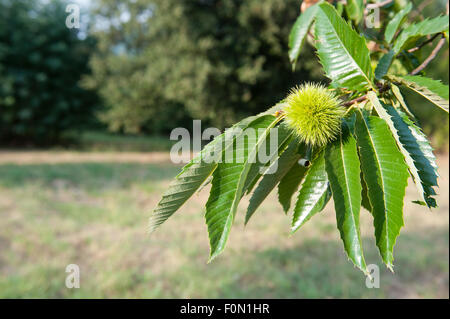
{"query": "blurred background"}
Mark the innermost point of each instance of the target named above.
(85, 117)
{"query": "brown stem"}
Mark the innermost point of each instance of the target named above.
(418, 11)
(424, 43)
(357, 100)
(372, 6)
(381, 89)
(430, 57)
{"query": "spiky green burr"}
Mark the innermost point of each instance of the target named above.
(314, 113)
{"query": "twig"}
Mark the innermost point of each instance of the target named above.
(430, 57)
(357, 100)
(418, 11)
(425, 63)
(378, 4)
(381, 89)
(435, 51)
(424, 43)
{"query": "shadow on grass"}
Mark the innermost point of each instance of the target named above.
(320, 269)
(85, 175)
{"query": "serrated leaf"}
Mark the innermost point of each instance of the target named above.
(381, 110)
(194, 174)
(269, 181)
(299, 32)
(257, 169)
(228, 183)
(412, 33)
(398, 95)
(419, 158)
(289, 185)
(342, 166)
(192, 177)
(314, 193)
(386, 175)
(342, 52)
(396, 22)
(365, 203)
(433, 90)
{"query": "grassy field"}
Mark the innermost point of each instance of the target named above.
(91, 209)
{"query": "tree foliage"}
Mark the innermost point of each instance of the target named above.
(368, 161)
(167, 61)
(41, 64)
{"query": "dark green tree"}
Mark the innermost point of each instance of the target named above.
(41, 63)
(218, 60)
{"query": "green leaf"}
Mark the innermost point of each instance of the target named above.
(396, 22)
(289, 185)
(191, 177)
(342, 166)
(196, 172)
(269, 181)
(342, 52)
(228, 183)
(285, 137)
(257, 169)
(419, 155)
(299, 32)
(340, 7)
(180, 191)
(433, 90)
(412, 33)
(384, 64)
(365, 202)
(416, 150)
(314, 193)
(398, 95)
(355, 10)
(386, 175)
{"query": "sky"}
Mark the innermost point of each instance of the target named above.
(83, 3)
